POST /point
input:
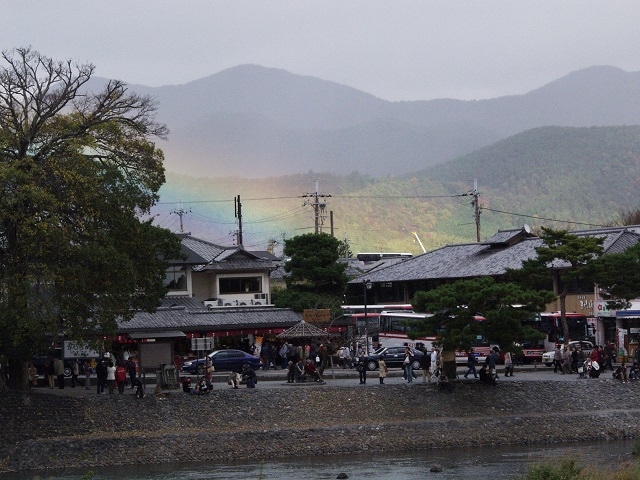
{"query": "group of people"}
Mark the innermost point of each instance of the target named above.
(574, 360)
(110, 375)
(275, 355)
(302, 371)
(53, 372)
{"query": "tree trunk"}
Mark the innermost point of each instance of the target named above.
(562, 296)
(18, 376)
(449, 364)
(563, 318)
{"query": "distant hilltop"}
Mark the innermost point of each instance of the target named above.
(256, 122)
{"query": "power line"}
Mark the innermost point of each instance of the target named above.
(381, 197)
(543, 218)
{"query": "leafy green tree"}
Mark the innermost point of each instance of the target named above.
(344, 250)
(618, 276)
(77, 170)
(504, 306)
(313, 264)
(565, 259)
(299, 301)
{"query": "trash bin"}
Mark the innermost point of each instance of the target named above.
(170, 379)
(160, 380)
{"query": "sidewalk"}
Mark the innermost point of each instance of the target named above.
(277, 378)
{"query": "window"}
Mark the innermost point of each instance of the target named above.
(240, 285)
(176, 278)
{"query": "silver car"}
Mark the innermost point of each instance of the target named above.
(587, 348)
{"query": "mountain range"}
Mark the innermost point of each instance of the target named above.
(566, 155)
(257, 122)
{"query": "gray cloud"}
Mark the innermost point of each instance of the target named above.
(396, 50)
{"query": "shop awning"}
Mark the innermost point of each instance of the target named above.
(167, 334)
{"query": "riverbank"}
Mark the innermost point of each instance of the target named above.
(56, 430)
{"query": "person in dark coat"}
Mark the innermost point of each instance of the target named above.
(101, 375)
(131, 368)
(249, 376)
(361, 366)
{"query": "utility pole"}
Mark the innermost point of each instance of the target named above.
(331, 222)
(318, 208)
(475, 203)
(181, 212)
(238, 214)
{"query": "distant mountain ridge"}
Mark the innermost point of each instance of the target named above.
(254, 121)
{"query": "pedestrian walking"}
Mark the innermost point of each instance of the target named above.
(382, 370)
(111, 377)
(508, 365)
(58, 367)
(75, 371)
(362, 368)
(557, 360)
(471, 364)
(101, 375)
(121, 377)
(425, 365)
(132, 369)
(87, 374)
(408, 367)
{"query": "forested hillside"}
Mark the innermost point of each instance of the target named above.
(579, 175)
(584, 174)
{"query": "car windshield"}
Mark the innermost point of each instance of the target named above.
(379, 351)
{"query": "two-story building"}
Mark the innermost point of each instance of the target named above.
(217, 292)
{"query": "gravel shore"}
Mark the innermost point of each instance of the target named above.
(47, 429)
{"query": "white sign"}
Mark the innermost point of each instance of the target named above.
(601, 310)
(78, 350)
(201, 344)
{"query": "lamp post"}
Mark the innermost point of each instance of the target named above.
(366, 284)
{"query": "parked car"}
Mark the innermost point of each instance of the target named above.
(227, 359)
(39, 363)
(393, 357)
(587, 347)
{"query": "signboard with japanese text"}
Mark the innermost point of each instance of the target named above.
(317, 315)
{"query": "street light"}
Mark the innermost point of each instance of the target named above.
(366, 285)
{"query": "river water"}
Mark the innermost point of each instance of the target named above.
(495, 463)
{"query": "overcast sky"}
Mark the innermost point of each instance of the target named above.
(407, 50)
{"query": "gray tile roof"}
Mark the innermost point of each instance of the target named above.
(239, 263)
(198, 251)
(181, 301)
(506, 236)
(484, 259)
(180, 318)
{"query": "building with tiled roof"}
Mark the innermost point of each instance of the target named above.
(213, 291)
(507, 249)
(221, 276)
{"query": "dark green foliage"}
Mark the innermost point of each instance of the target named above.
(566, 469)
(74, 255)
(504, 306)
(566, 259)
(618, 276)
(312, 264)
(299, 300)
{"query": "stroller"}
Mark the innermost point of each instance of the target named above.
(582, 369)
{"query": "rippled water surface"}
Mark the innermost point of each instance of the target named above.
(470, 463)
